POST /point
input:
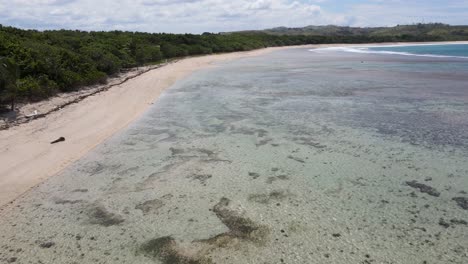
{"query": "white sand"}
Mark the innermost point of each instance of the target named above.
(26, 155)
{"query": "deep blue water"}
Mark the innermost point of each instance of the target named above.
(452, 50)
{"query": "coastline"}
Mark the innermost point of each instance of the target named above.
(27, 156)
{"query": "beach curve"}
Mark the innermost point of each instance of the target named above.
(27, 156)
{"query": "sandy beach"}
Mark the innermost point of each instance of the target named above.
(26, 154)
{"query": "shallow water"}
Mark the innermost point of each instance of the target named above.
(453, 50)
(291, 157)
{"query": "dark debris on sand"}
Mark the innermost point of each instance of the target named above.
(60, 139)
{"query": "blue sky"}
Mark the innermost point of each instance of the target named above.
(196, 16)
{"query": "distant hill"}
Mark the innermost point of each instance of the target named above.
(431, 31)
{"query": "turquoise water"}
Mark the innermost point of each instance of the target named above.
(454, 50)
(291, 157)
(449, 51)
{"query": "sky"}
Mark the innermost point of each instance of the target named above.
(198, 16)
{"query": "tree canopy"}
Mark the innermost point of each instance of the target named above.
(38, 64)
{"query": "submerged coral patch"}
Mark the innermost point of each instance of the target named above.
(168, 252)
(149, 206)
(462, 202)
(277, 195)
(423, 188)
(99, 215)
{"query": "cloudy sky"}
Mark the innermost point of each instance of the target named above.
(197, 16)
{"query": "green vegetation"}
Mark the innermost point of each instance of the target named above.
(9, 74)
(35, 65)
(416, 32)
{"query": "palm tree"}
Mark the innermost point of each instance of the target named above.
(9, 74)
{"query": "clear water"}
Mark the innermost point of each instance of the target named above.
(291, 157)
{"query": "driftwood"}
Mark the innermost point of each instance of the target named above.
(25, 119)
(60, 139)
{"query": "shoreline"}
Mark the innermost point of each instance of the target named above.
(27, 112)
(27, 156)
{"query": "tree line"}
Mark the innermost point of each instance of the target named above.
(35, 65)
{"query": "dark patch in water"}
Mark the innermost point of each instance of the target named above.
(263, 142)
(127, 171)
(307, 141)
(61, 201)
(95, 168)
(272, 179)
(167, 251)
(151, 205)
(80, 190)
(248, 131)
(99, 215)
(218, 128)
(175, 151)
(47, 244)
(462, 202)
(254, 175)
(420, 128)
(296, 159)
(458, 222)
(240, 227)
(277, 195)
(201, 177)
(423, 188)
(205, 151)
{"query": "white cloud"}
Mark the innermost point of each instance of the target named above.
(162, 15)
(198, 16)
(40, 2)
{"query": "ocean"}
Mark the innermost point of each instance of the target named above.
(297, 156)
(454, 50)
(421, 50)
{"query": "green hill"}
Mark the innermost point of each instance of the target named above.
(430, 31)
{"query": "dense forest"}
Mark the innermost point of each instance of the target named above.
(35, 64)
